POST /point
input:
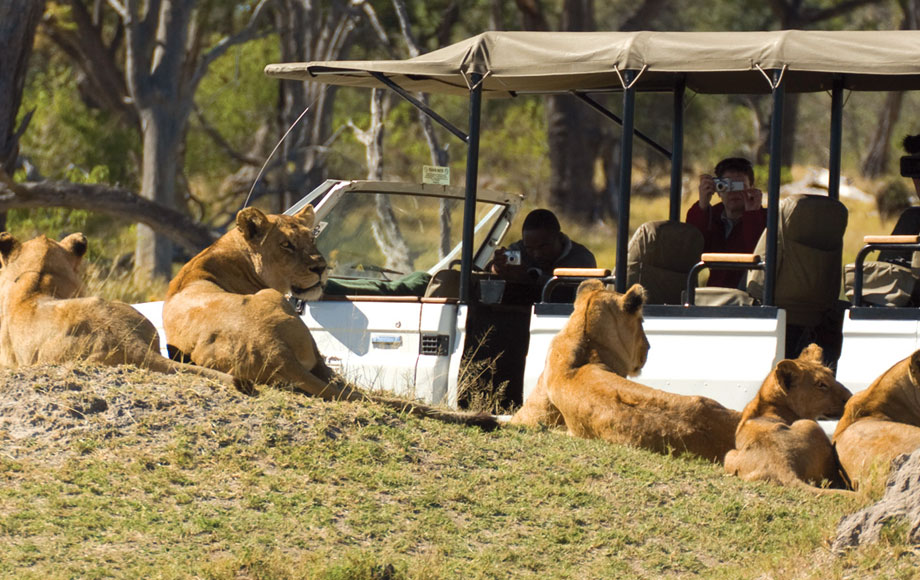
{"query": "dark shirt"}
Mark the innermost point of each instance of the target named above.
(574, 255)
(742, 238)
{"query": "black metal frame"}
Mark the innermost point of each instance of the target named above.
(557, 281)
(693, 276)
(627, 123)
(861, 258)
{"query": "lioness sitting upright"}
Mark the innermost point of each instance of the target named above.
(583, 384)
(880, 423)
(778, 439)
(43, 319)
(226, 309)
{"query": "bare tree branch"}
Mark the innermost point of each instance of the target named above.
(212, 132)
(249, 32)
(113, 201)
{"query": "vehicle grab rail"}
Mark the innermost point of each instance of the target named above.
(570, 276)
(874, 243)
(722, 261)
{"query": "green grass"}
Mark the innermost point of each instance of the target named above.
(199, 483)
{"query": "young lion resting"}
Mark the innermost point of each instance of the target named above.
(42, 319)
(583, 385)
(880, 423)
(778, 439)
(226, 309)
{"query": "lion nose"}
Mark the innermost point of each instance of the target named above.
(319, 268)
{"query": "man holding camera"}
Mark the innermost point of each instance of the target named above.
(542, 248)
(734, 225)
(909, 221)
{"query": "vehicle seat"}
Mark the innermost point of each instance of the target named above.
(808, 272)
(660, 255)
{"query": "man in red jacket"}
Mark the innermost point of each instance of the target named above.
(735, 224)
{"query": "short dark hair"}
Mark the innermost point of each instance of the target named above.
(739, 164)
(542, 219)
(911, 144)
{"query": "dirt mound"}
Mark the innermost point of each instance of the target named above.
(900, 506)
(51, 412)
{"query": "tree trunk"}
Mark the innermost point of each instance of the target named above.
(574, 142)
(162, 140)
(876, 161)
(17, 32)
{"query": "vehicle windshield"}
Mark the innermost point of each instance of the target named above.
(385, 236)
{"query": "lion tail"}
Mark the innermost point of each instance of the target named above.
(485, 421)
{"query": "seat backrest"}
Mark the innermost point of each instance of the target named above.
(809, 255)
(660, 256)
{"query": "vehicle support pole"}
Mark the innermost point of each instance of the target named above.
(469, 202)
(833, 164)
(629, 110)
(776, 148)
(677, 152)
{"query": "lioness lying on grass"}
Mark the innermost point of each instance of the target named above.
(584, 386)
(43, 319)
(778, 439)
(880, 423)
(226, 309)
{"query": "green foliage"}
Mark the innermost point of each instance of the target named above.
(237, 98)
(66, 139)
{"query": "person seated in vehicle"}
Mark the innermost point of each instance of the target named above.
(529, 263)
(734, 225)
(909, 221)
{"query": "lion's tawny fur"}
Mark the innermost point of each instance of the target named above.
(880, 423)
(778, 438)
(584, 386)
(43, 318)
(226, 309)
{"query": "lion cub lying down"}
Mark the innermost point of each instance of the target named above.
(778, 439)
(583, 384)
(226, 309)
(43, 319)
(880, 423)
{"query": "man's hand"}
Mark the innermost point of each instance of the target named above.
(707, 189)
(500, 261)
(753, 199)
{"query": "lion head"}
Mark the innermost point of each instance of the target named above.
(284, 251)
(54, 265)
(612, 326)
(893, 396)
(806, 387)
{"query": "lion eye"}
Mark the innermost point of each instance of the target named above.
(822, 386)
(287, 246)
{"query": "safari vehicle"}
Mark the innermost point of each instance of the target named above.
(723, 352)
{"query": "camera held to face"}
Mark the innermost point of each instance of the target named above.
(724, 184)
(513, 257)
(910, 166)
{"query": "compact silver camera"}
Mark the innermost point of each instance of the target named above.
(724, 184)
(513, 257)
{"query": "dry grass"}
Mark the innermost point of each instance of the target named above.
(115, 472)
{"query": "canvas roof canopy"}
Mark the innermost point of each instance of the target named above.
(708, 62)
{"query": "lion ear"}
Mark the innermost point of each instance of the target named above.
(75, 244)
(914, 368)
(589, 285)
(307, 215)
(812, 353)
(252, 223)
(8, 245)
(786, 373)
(634, 299)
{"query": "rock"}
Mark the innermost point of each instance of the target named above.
(899, 506)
